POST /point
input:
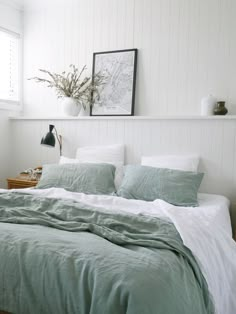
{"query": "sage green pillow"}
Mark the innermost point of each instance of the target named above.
(85, 178)
(173, 186)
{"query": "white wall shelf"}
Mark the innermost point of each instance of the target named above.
(227, 117)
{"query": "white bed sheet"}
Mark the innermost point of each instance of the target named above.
(205, 230)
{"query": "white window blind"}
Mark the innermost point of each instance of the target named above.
(9, 66)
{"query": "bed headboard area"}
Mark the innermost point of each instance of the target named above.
(212, 138)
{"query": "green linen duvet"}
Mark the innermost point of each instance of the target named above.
(61, 256)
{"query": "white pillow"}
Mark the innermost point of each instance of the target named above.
(177, 162)
(111, 153)
(64, 160)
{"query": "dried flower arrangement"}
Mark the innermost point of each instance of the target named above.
(72, 84)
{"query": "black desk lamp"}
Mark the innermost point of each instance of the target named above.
(49, 139)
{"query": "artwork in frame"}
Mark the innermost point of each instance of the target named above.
(117, 94)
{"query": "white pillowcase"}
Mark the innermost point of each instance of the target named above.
(177, 162)
(112, 154)
(65, 160)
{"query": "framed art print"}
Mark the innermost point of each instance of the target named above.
(117, 94)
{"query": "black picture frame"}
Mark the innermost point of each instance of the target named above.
(117, 94)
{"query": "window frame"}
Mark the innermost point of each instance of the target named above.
(7, 104)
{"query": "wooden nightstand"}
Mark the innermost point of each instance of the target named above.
(20, 182)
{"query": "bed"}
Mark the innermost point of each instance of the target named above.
(67, 252)
(96, 238)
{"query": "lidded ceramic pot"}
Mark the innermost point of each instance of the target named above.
(220, 109)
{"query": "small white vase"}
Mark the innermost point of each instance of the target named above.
(71, 107)
(208, 105)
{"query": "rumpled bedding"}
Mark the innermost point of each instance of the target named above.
(64, 252)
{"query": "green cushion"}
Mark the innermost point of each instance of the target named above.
(173, 186)
(85, 178)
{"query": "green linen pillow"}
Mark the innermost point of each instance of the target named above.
(85, 178)
(173, 186)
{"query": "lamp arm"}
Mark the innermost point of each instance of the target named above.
(59, 138)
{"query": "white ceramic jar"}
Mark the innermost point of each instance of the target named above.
(208, 105)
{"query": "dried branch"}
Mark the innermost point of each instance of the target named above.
(72, 85)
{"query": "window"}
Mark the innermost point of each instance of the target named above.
(9, 66)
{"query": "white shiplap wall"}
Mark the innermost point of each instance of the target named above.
(187, 48)
(214, 140)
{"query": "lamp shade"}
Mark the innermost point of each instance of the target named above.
(49, 138)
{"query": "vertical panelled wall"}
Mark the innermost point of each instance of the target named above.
(187, 48)
(214, 140)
